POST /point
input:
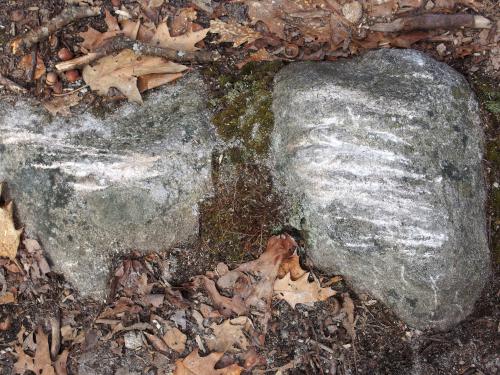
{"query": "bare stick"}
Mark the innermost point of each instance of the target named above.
(433, 21)
(12, 86)
(67, 16)
(122, 42)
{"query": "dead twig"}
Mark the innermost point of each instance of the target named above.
(14, 87)
(433, 21)
(67, 16)
(121, 42)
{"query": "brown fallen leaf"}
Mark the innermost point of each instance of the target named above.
(24, 362)
(121, 72)
(291, 265)
(252, 283)
(151, 81)
(136, 31)
(93, 39)
(157, 343)
(193, 364)
(260, 55)
(6, 298)
(301, 290)
(348, 308)
(233, 33)
(61, 363)
(183, 21)
(43, 363)
(26, 64)
(229, 336)
(184, 42)
(9, 235)
(61, 105)
(175, 339)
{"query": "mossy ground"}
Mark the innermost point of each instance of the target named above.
(244, 211)
(489, 97)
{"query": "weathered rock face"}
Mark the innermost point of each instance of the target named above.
(89, 188)
(383, 156)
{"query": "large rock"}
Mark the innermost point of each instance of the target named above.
(90, 187)
(381, 156)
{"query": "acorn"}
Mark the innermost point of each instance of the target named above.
(65, 54)
(51, 79)
(72, 75)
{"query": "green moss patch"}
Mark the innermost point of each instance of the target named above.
(242, 105)
(245, 210)
(489, 97)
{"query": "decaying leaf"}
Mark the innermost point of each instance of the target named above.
(193, 364)
(61, 105)
(261, 55)
(157, 343)
(121, 72)
(9, 235)
(175, 339)
(229, 336)
(185, 42)
(41, 364)
(26, 64)
(6, 298)
(252, 283)
(93, 39)
(291, 265)
(348, 308)
(234, 33)
(301, 290)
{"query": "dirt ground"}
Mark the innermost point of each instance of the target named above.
(304, 340)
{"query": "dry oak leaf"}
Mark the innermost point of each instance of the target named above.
(301, 290)
(121, 72)
(193, 364)
(230, 335)
(184, 42)
(93, 39)
(9, 235)
(234, 33)
(41, 364)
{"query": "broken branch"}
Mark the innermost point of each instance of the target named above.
(11, 85)
(67, 16)
(433, 21)
(120, 43)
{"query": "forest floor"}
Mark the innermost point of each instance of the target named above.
(161, 307)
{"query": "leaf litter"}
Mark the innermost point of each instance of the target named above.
(236, 33)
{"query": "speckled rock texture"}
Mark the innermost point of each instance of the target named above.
(381, 159)
(90, 187)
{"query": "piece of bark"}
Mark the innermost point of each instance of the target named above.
(122, 42)
(66, 17)
(433, 21)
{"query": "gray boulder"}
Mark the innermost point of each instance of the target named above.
(381, 159)
(90, 187)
